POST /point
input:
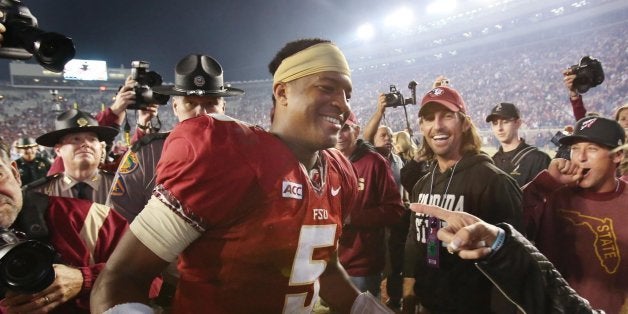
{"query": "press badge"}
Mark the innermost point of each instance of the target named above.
(433, 244)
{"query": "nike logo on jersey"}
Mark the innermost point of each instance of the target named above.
(335, 191)
(292, 190)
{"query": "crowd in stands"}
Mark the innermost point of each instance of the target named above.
(525, 71)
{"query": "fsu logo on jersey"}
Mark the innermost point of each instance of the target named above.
(292, 190)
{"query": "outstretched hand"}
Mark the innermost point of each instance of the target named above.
(468, 236)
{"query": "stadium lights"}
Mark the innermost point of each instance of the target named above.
(441, 6)
(401, 18)
(366, 32)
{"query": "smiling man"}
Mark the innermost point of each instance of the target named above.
(461, 178)
(575, 211)
(254, 216)
(515, 157)
(78, 139)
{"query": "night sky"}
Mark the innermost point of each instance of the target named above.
(242, 35)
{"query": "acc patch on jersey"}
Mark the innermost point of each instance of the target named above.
(118, 188)
(129, 164)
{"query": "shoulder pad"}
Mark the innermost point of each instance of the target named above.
(41, 181)
(146, 139)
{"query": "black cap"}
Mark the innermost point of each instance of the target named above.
(602, 131)
(76, 121)
(198, 75)
(505, 111)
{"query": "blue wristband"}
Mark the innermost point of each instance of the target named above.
(499, 240)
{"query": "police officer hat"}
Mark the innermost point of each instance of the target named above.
(198, 75)
(25, 142)
(75, 121)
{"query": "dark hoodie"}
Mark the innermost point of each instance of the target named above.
(478, 187)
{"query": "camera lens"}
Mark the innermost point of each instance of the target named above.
(27, 267)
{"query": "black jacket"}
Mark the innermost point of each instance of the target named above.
(523, 163)
(529, 280)
(475, 186)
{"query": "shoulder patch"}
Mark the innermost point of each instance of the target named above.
(146, 139)
(129, 164)
(118, 188)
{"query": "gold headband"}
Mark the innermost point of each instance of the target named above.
(315, 59)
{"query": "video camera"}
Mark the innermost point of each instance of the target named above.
(23, 38)
(395, 98)
(25, 265)
(144, 95)
(589, 73)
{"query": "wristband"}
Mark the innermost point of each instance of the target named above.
(499, 240)
(130, 308)
(366, 303)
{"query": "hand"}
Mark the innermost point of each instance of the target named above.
(381, 103)
(568, 78)
(145, 115)
(441, 80)
(564, 171)
(125, 97)
(465, 234)
(67, 284)
(2, 28)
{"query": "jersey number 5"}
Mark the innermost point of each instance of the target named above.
(306, 270)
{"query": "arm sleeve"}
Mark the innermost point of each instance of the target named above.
(534, 201)
(411, 249)
(107, 118)
(528, 279)
(579, 111)
(503, 198)
(383, 197)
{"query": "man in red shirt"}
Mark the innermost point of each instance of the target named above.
(254, 216)
(362, 249)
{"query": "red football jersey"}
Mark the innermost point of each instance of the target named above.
(267, 233)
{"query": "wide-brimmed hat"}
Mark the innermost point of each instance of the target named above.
(25, 142)
(198, 75)
(75, 121)
(599, 130)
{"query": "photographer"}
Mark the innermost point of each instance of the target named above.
(82, 249)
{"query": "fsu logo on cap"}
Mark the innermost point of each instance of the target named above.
(199, 81)
(587, 124)
(437, 91)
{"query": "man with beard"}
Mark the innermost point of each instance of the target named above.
(575, 211)
(79, 140)
(461, 178)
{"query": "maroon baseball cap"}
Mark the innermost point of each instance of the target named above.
(445, 96)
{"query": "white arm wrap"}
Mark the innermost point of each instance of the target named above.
(130, 308)
(365, 303)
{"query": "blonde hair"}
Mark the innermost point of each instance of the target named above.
(403, 145)
(471, 141)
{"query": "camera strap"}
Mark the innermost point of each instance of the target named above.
(31, 218)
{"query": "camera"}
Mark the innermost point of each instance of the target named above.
(563, 151)
(25, 265)
(394, 98)
(144, 95)
(23, 38)
(589, 73)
